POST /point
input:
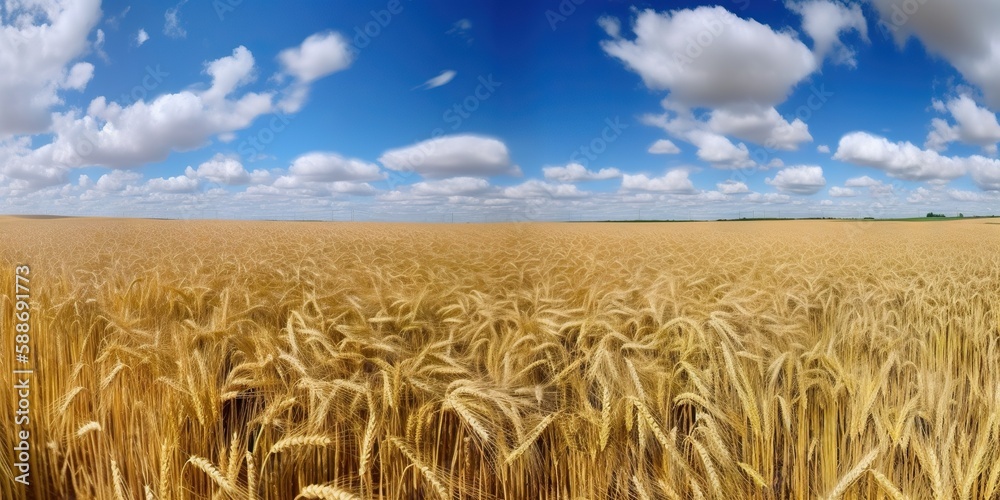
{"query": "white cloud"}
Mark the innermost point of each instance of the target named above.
(462, 29)
(964, 32)
(960, 195)
(901, 160)
(843, 192)
(331, 167)
(141, 37)
(221, 169)
(761, 126)
(823, 149)
(824, 21)
(117, 180)
(229, 73)
(319, 55)
(768, 198)
(923, 195)
(535, 188)
(973, 125)
(178, 184)
(36, 60)
(674, 182)
(442, 79)
(712, 147)
(803, 180)
(455, 186)
(574, 172)
(611, 25)
(664, 147)
(985, 172)
(144, 132)
(452, 156)
(353, 188)
(744, 62)
(720, 151)
(739, 69)
(293, 185)
(78, 77)
(116, 136)
(172, 21)
(732, 187)
(863, 181)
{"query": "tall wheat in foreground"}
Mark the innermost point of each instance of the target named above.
(758, 360)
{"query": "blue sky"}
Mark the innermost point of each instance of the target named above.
(517, 110)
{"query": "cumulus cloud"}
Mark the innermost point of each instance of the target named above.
(319, 55)
(117, 181)
(745, 62)
(673, 182)
(902, 160)
(768, 198)
(452, 156)
(38, 59)
(973, 125)
(221, 169)
(963, 32)
(178, 184)
(574, 172)
(141, 37)
(843, 192)
(863, 181)
(455, 186)
(732, 187)
(229, 73)
(115, 136)
(442, 79)
(331, 167)
(985, 172)
(739, 69)
(111, 135)
(712, 147)
(824, 21)
(823, 149)
(299, 186)
(664, 147)
(535, 188)
(804, 180)
(761, 126)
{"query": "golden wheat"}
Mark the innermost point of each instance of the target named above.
(756, 360)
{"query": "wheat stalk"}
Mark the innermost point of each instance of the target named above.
(853, 475)
(217, 477)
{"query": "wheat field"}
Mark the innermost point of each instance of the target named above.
(282, 360)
